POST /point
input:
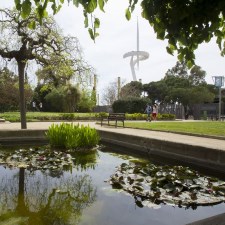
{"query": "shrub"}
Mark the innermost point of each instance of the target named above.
(68, 116)
(166, 116)
(101, 114)
(70, 136)
(132, 105)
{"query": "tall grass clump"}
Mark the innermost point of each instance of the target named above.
(71, 136)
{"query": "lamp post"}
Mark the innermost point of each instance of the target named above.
(118, 88)
(219, 82)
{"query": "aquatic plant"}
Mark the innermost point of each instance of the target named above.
(71, 136)
(37, 159)
(152, 185)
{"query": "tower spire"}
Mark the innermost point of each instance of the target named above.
(137, 44)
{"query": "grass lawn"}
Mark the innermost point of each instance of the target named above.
(214, 128)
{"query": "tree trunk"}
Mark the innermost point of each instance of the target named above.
(21, 69)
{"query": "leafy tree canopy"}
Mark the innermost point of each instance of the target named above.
(185, 24)
(132, 89)
(181, 86)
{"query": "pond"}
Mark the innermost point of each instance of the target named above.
(83, 195)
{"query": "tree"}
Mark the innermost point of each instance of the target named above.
(110, 93)
(132, 89)
(197, 76)
(185, 24)
(180, 85)
(156, 91)
(61, 69)
(39, 44)
(179, 70)
(187, 88)
(63, 99)
(87, 102)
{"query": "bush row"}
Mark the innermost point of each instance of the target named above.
(133, 105)
(79, 116)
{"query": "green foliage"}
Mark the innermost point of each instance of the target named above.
(141, 116)
(94, 97)
(136, 116)
(68, 116)
(70, 136)
(55, 99)
(186, 24)
(156, 90)
(131, 90)
(166, 116)
(182, 86)
(133, 105)
(9, 90)
(101, 114)
(63, 99)
(86, 103)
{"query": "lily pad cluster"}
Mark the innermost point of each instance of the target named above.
(37, 159)
(152, 185)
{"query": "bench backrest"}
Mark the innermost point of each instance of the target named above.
(117, 115)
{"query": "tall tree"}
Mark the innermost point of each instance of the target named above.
(62, 99)
(179, 70)
(185, 24)
(22, 44)
(181, 85)
(156, 91)
(132, 89)
(187, 89)
(110, 93)
(197, 75)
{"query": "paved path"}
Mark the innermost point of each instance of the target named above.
(166, 136)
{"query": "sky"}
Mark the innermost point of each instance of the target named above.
(119, 36)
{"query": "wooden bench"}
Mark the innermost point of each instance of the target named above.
(215, 117)
(114, 117)
(222, 117)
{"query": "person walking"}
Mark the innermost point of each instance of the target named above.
(154, 111)
(34, 106)
(40, 106)
(148, 110)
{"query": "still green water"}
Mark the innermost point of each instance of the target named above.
(81, 196)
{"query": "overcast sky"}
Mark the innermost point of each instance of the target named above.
(118, 36)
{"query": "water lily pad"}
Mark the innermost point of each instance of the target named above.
(177, 185)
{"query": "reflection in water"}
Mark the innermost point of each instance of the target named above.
(85, 160)
(38, 198)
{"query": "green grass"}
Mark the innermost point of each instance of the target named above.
(213, 128)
